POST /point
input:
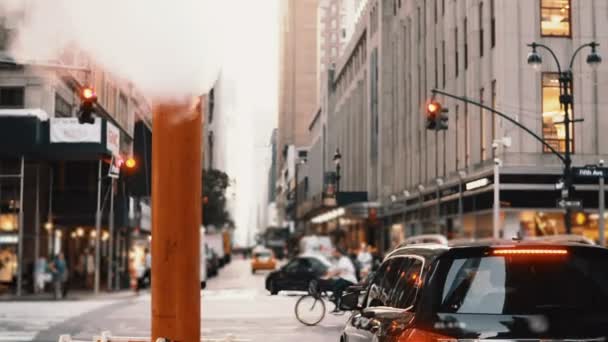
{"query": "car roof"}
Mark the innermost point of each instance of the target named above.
(431, 251)
(319, 257)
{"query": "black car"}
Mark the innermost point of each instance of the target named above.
(297, 274)
(499, 291)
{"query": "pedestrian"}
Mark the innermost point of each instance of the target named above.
(365, 259)
(58, 270)
(41, 275)
(89, 268)
(148, 267)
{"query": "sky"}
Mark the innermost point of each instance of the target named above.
(186, 44)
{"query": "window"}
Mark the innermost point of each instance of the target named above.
(466, 45)
(374, 291)
(467, 137)
(456, 52)
(492, 24)
(555, 18)
(419, 25)
(457, 142)
(12, 97)
(408, 283)
(482, 128)
(436, 68)
(553, 132)
(62, 108)
(481, 29)
(493, 107)
(435, 10)
(443, 63)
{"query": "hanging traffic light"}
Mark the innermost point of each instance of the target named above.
(87, 105)
(130, 163)
(436, 116)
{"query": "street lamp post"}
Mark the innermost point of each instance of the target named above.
(565, 99)
(461, 176)
(337, 161)
(438, 195)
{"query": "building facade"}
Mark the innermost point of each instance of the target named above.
(442, 181)
(61, 160)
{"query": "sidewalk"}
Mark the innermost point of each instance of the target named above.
(76, 295)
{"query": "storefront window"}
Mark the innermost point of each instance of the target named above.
(555, 18)
(553, 132)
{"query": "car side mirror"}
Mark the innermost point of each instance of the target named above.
(350, 301)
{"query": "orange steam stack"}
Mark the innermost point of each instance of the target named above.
(176, 220)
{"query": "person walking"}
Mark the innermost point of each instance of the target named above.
(89, 269)
(365, 260)
(59, 272)
(148, 267)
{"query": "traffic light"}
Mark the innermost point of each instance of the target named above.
(88, 99)
(436, 116)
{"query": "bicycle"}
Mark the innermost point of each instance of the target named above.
(310, 309)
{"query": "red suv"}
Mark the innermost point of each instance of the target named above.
(511, 291)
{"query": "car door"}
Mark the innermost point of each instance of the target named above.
(395, 292)
(302, 275)
(357, 328)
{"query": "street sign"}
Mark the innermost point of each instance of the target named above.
(590, 172)
(569, 204)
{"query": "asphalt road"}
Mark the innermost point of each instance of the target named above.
(234, 303)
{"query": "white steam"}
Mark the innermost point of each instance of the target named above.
(166, 48)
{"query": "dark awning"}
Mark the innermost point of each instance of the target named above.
(27, 132)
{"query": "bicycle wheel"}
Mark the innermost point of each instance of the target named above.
(310, 310)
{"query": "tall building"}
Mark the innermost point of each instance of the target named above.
(422, 180)
(297, 74)
(297, 86)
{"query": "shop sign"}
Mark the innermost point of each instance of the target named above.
(569, 204)
(590, 172)
(113, 139)
(69, 130)
(9, 239)
(146, 217)
(479, 183)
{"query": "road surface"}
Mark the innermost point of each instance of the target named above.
(234, 303)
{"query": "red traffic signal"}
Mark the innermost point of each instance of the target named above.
(88, 94)
(436, 119)
(130, 163)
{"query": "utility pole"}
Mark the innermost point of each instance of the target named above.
(602, 205)
(98, 229)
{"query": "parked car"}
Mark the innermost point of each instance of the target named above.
(297, 274)
(527, 290)
(263, 259)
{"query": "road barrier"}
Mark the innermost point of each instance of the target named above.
(106, 336)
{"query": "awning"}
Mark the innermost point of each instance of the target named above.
(33, 134)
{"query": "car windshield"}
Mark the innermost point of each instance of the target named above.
(262, 255)
(523, 284)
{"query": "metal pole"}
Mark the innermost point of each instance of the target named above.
(496, 208)
(98, 230)
(564, 81)
(460, 205)
(37, 219)
(111, 239)
(602, 205)
(49, 218)
(20, 245)
(438, 195)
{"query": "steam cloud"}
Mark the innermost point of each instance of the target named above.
(166, 48)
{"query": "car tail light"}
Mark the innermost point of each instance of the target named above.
(417, 335)
(530, 251)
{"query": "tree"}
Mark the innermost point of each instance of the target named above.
(214, 211)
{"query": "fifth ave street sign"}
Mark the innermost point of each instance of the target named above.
(590, 172)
